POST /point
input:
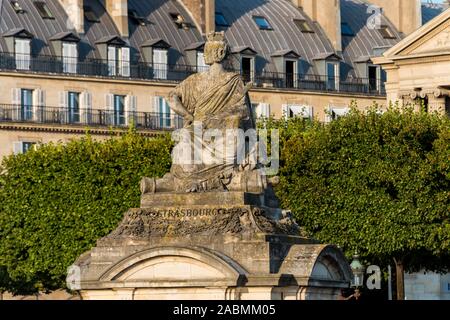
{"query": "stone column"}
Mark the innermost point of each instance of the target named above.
(436, 104)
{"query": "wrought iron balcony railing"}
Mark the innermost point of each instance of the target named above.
(177, 73)
(89, 117)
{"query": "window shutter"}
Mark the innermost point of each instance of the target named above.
(130, 109)
(64, 106)
(109, 108)
(16, 100)
(265, 110)
(17, 147)
(160, 63)
(112, 61)
(125, 62)
(38, 105)
(86, 107)
(285, 111)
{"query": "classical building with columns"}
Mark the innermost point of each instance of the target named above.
(417, 67)
(71, 65)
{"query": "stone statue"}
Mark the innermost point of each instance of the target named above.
(215, 100)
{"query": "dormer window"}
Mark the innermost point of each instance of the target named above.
(262, 23)
(201, 65)
(332, 76)
(70, 57)
(118, 61)
(17, 7)
(91, 15)
(142, 21)
(387, 32)
(303, 25)
(22, 53)
(220, 20)
(346, 30)
(43, 10)
(160, 63)
(180, 21)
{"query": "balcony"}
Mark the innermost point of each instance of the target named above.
(89, 118)
(177, 73)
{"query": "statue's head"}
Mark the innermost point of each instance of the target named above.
(216, 48)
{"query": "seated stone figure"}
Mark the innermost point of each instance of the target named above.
(217, 100)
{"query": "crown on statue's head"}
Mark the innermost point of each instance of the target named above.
(216, 36)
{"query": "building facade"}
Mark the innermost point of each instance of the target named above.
(71, 65)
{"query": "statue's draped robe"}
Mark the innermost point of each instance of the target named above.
(212, 102)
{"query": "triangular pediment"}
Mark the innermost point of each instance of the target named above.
(432, 38)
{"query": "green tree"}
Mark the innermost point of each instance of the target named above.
(375, 183)
(55, 203)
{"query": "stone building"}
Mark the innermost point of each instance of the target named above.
(68, 65)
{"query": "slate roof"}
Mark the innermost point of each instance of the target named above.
(242, 31)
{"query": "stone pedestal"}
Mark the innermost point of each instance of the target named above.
(216, 245)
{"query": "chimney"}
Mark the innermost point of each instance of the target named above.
(203, 12)
(118, 10)
(327, 13)
(406, 15)
(75, 12)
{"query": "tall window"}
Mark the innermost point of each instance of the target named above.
(118, 61)
(164, 112)
(373, 73)
(26, 104)
(20, 147)
(291, 73)
(23, 54)
(160, 63)
(332, 76)
(119, 118)
(73, 106)
(70, 57)
(201, 65)
(247, 68)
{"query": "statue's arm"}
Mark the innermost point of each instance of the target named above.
(177, 106)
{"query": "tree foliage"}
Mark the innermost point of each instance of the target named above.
(375, 183)
(56, 201)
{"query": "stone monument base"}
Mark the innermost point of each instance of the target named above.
(239, 249)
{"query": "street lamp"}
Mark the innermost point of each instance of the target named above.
(358, 271)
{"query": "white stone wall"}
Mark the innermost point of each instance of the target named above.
(427, 286)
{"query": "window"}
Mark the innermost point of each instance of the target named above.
(387, 32)
(292, 111)
(163, 110)
(303, 25)
(261, 110)
(160, 63)
(336, 112)
(346, 30)
(373, 72)
(23, 54)
(180, 21)
(201, 65)
(26, 105)
(17, 7)
(247, 68)
(291, 73)
(135, 17)
(90, 15)
(262, 23)
(220, 20)
(73, 106)
(21, 147)
(69, 57)
(332, 76)
(119, 118)
(118, 61)
(43, 10)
